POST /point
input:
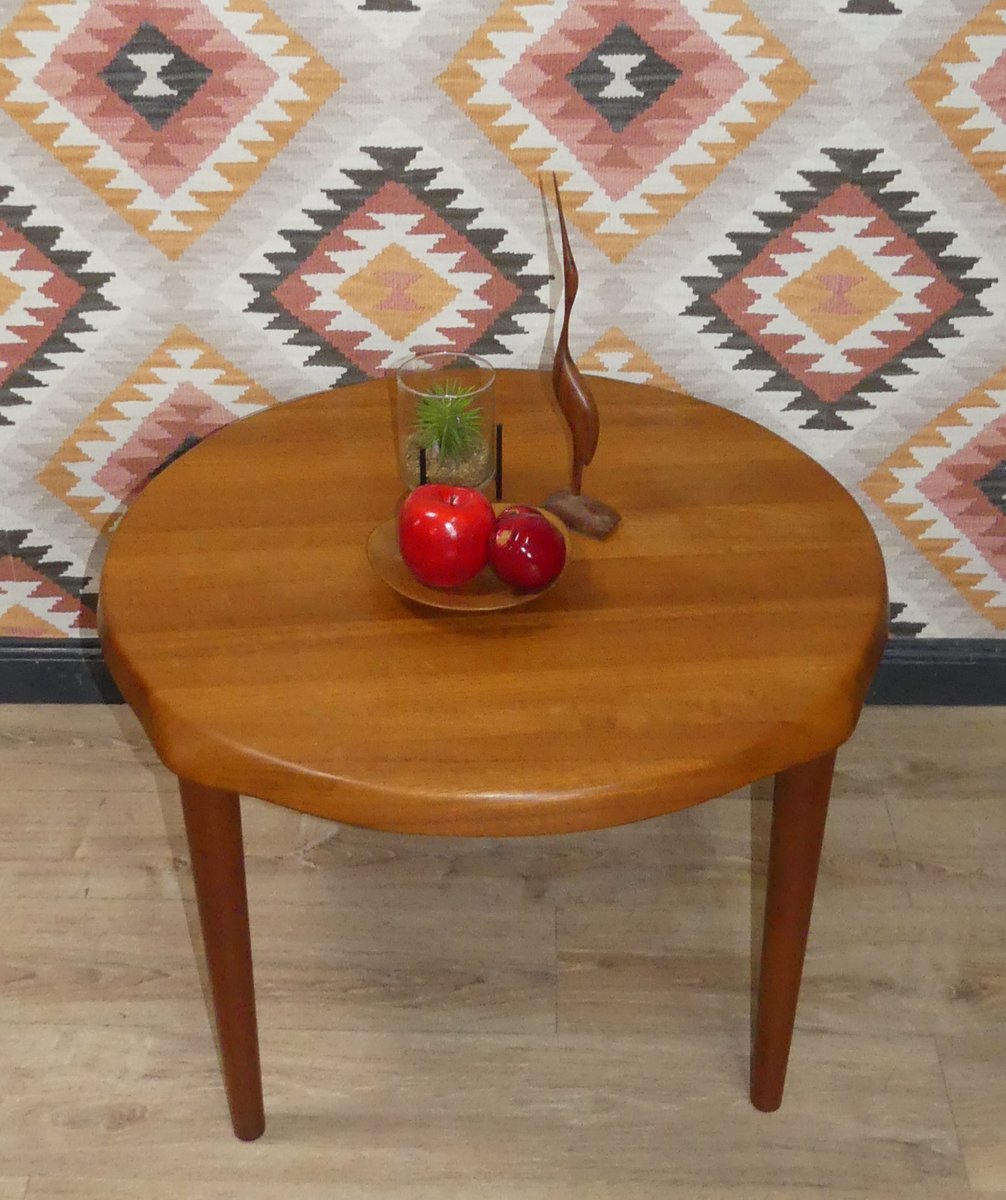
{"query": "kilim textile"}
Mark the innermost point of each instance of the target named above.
(794, 207)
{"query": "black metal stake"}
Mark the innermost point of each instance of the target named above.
(422, 464)
(499, 462)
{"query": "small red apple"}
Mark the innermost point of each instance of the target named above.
(518, 510)
(526, 550)
(444, 532)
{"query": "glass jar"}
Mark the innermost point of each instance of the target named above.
(446, 417)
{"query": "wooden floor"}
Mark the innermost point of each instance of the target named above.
(466, 1020)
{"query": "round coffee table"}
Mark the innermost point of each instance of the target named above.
(727, 631)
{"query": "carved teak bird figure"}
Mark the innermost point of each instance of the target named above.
(571, 392)
(578, 407)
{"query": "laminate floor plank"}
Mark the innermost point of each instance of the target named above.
(55, 1188)
(975, 1070)
(677, 953)
(405, 961)
(680, 967)
(508, 1111)
(949, 754)
(525, 1019)
(60, 844)
(953, 852)
(71, 747)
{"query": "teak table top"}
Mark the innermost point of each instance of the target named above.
(726, 631)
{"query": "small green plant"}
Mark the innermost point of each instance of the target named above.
(447, 421)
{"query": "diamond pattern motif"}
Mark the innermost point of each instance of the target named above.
(837, 295)
(963, 87)
(169, 119)
(992, 485)
(846, 285)
(54, 297)
(637, 106)
(398, 292)
(42, 596)
(622, 77)
(943, 488)
(389, 260)
(207, 206)
(155, 77)
(182, 392)
(616, 355)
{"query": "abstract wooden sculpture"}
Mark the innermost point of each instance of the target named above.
(578, 407)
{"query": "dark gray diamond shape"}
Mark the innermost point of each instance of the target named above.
(640, 87)
(173, 85)
(872, 8)
(992, 485)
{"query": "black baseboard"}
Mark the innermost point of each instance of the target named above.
(914, 671)
(41, 671)
(941, 671)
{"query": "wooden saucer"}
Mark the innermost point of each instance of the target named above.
(485, 593)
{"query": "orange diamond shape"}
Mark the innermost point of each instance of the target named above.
(837, 295)
(397, 292)
(10, 291)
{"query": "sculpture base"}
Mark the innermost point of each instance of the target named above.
(582, 513)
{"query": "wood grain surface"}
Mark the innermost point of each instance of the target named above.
(525, 1019)
(727, 630)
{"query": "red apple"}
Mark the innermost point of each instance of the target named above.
(444, 532)
(518, 510)
(526, 550)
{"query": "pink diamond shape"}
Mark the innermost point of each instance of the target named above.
(991, 87)
(953, 487)
(618, 162)
(187, 412)
(165, 158)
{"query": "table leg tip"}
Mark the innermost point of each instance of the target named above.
(766, 1101)
(249, 1131)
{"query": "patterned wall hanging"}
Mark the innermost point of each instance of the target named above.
(793, 209)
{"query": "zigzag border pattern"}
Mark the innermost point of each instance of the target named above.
(46, 238)
(894, 486)
(968, 127)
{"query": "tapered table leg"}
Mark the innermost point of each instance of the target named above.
(213, 828)
(799, 810)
